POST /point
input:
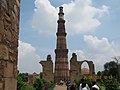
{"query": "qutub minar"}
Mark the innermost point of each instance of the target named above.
(61, 51)
(61, 70)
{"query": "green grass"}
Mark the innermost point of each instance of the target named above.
(102, 87)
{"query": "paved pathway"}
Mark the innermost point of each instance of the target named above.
(58, 87)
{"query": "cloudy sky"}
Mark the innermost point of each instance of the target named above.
(92, 26)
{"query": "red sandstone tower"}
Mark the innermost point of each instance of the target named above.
(61, 51)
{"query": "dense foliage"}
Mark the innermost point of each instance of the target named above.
(41, 84)
(21, 82)
(110, 70)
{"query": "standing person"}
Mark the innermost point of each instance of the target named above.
(95, 86)
(83, 85)
(73, 87)
(69, 85)
(61, 82)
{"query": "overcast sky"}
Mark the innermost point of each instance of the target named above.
(92, 26)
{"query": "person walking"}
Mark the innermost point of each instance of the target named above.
(95, 86)
(83, 85)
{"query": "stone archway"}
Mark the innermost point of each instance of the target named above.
(85, 69)
(75, 67)
(90, 64)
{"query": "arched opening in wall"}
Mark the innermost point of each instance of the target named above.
(84, 68)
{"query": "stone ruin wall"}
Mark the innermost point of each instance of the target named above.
(75, 68)
(9, 31)
(47, 65)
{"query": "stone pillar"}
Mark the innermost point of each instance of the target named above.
(47, 73)
(9, 30)
(75, 68)
(91, 68)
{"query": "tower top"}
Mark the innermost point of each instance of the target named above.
(61, 9)
(61, 14)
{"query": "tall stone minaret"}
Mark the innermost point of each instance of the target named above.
(61, 51)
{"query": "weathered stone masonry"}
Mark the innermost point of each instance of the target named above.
(48, 69)
(61, 51)
(9, 31)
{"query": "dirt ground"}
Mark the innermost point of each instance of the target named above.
(58, 87)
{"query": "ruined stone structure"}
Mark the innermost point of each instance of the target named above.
(75, 67)
(47, 69)
(9, 30)
(32, 78)
(61, 71)
(61, 51)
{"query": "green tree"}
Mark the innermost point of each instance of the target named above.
(41, 84)
(110, 68)
(111, 84)
(24, 76)
(38, 84)
(99, 73)
(20, 83)
(77, 82)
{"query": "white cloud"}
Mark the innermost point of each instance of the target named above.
(104, 10)
(100, 51)
(28, 58)
(44, 18)
(80, 16)
(101, 46)
(80, 53)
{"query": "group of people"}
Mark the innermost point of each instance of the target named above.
(70, 86)
(84, 86)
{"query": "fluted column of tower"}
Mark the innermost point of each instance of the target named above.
(61, 51)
